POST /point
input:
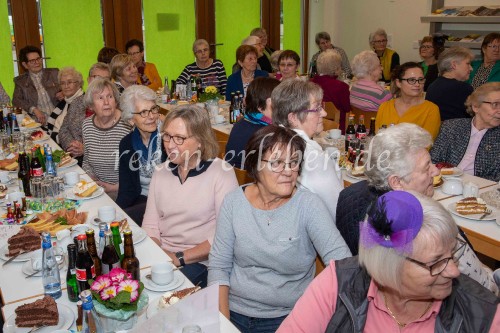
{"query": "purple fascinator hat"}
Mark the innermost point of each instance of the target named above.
(393, 221)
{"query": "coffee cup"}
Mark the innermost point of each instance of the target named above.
(4, 177)
(470, 190)
(219, 119)
(71, 178)
(106, 213)
(334, 133)
(162, 273)
(453, 186)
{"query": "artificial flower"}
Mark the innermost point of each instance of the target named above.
(117, 275)
(100, 283)
(108, 293)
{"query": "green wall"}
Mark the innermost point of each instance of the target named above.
(73, 33)
(292, 25)
(6, 64)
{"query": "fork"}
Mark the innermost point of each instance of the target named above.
(36, 328)
(487, 212)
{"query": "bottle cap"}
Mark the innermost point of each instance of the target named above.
(89, 231)
(81, 237)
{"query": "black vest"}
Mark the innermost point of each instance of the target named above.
(469, 308)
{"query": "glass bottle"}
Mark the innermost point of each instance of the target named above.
(36, 166)
(50, 166)
(24, 174)
(51, 278)
(91, 323)
(10, 218)
(350, 132)
(361, 130)
(110, 258)
(372, 127)
(19, 215)
(93, 251)
(117, 239)
(15, 124)
(130, 263)
(85, 269)
(103, 227)
(71, 283)
(79, 318)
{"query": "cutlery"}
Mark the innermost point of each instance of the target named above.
(12, 258)
(32, 274)
(36, 328)
(486, 213)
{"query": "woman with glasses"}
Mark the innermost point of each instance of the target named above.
(450, 90)
(186, 192)
(141, 151)
(409, 105)
(71, 83)
(487, 69)
(148, 74)
(389, 58)
(288, 63)
(473, 145)
(211, 71)
(298, 105)
(102, 134)
(405, 278)
(429, 50)
(268, 233)
(123, 71)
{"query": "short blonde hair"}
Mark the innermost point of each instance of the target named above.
(118, 64)
(479, 95)
(364, 63)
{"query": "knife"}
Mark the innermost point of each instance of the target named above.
(32, 274)
(12, 258)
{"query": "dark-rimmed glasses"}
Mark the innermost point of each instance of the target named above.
(280, 165)
(318, 109)
(178, 140)
(439, 266)
(34, 61)
(134, 53)
(494, 105)
(412, 81)
(145, 113)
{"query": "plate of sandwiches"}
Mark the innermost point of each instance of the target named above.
(449, 170)
(473, 209)
(85, 190)
(9, 164)
(28, 123)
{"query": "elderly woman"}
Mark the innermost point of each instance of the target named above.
(265, 59)
(275, 65)
(70, 133)
(407, 168)
(255, 42)
(474, 145)
(123, 71)
(4, 97)
(365, 93)
(246, 56)
(405, 278)
(258, 113)
(409, 105)
(298, 105)
(389, 59)
(264, 250)
(71, 83)
(288, 62)
(141, 151)
(102, 134)
(185, 195)
(148, 74)
(334, 90)
(487, 69)
(429, 50)
(450, 90)
(210, 70)
(324, 42)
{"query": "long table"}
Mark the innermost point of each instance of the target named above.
(16, 290)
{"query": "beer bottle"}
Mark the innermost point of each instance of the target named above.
(10, 218)
(361, 130)
(93, 251)
(350, 132)
(234, 110)
(85, 269)
(117, 239)
(71, 284)
(24, 174)
(194, 90)
(130, 262)
(110, 258)
(372, 127)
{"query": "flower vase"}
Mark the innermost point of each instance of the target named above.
(212, 107)
(120, 320)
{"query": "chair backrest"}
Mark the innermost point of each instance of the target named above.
(329, 124)
(332, 112)
(242, 176)
(222, 149)
(367, 114)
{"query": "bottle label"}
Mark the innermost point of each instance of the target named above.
(37, 172)
(350, 137)
(81, 274)
(360, 135)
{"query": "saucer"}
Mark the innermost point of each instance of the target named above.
(177, 281)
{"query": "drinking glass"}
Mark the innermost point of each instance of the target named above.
(5, 140)
(36, 188)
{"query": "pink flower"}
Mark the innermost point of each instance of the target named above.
(131, 286)
(108, 293)
(117, 274)
(100, 283)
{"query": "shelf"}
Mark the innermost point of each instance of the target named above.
(470, 45)
(460, 19)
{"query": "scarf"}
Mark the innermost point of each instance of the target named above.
(149, 156)
(142, 75)
(56, 118)
(257, 118)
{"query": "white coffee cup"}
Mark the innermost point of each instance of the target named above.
(4, 177)
(106, 213)
(334, 133)
(36, 263)
(36, 260)
(71, 178)
(219, 119)
(162, 273)
(453, 186)
(470, 190)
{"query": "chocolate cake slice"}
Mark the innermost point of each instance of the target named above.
(42, 312)
(27, 239)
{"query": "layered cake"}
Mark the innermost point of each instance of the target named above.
(172, 297)
(84, 189)
(42, 312)
(445, 168)
(471, 205)
(26, 240)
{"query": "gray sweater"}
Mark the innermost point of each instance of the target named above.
(267, 258)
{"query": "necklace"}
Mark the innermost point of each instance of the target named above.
(402, 325)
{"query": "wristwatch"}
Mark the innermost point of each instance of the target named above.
(180, 256)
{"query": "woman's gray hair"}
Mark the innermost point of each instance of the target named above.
(329, 62)
(96, 87)
(251, 40)
(385, 265)
(99, 65)
(118, 64)
(130, 96)
(292, 96)
(480, 95)
(448, 56)
(392, 152)
(378, 32)
(71, 71)
(274, 60)
(322, 35)
(199, 42)
(364, 63)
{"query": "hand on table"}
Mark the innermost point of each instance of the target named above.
(75, 148)
(42, 118)
(107, 186)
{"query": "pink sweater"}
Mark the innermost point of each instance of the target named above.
(184, 215)
(315, 308)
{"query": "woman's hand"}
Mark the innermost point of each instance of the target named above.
(42, 118)
(60, 96)
(107, 186)
(76, 148)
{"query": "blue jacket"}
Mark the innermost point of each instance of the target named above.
(234, 82)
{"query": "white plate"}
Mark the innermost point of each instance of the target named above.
(70, 164)
(175, 283)
(66, 319)
(118, 217)
(491, 217)
(70, 195)
(457, 172)
(355, 177)
(24, 128)
(27, 269)
(4, 250)
(11, 179)
(42, 139)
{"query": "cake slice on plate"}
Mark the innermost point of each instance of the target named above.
(42, 312)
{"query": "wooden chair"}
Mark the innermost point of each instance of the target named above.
(319, 265)
(329, 124)
(332, 112)
(242, 176)
(222, 149)
(358, 112)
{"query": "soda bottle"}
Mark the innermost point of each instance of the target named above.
(110, 258)
(15, 124)
(71, 283)
(91, 323)
(117, 239)
(50, 166)
(350, 132)
(361, 130)
(24, 174)
(372, 127)
(85, 269)
(36, 166)
(199, 85)
(10, 218)
(51, 278)
(130, 263)
(19, 215)
(93, 251)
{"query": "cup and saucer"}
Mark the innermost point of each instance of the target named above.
(163, 278)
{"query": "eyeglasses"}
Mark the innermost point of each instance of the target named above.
(279, 165)
(67, 83)
(380, 41)
(412, 81)
(494, 105)
(440, 265)
(494, 47)
(426, 46)
(202, 51)
(34, 61)
(133, 53)
(318, 109)
(178, 140)
(102, 77)
(145, 113)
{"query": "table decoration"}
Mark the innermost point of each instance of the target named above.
(211, 93)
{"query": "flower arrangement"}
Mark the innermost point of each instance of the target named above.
(210, 93)
(117, 290)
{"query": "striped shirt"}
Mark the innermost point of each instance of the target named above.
(368, 95)
(101, 154)
(214, 75)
